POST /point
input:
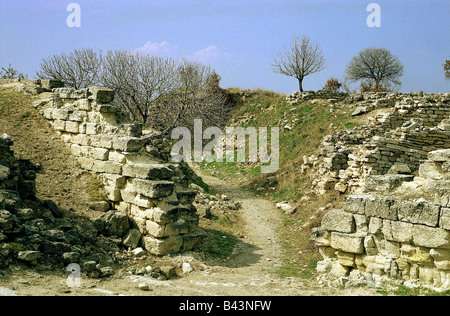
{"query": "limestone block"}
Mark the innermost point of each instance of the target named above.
(156, 229)
(61, 114)
(339, 221)
(163, 246)
(117, 156)
(92, 128)
(442, 155)
(59, 125)
(83, 105)
(72, 127)
(86, 163)
(338, 270)
(380, 206)
(48, 113)
(110, 167)
(81, 139)
(101, 95)
(417, 212)
(128, 143)
(153, 189)
(180, 227)
(113, 194)
(132, 238)
(148, 171)
(347, 242)
(143, 201)
(75, 150)
(113, 180)
(77, 116)
(102, 141)
(375, 225)
(431, 170)
(397, 231)
(370, 246)
(128, 195)
(355, 203)
(431, 237)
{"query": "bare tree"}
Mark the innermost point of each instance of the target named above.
(139, 81)
(378, 69)
(302, 58)
(192, 97)
(78, 69)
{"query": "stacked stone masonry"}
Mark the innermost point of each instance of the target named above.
(411, 126)
(133, 163)
(381, 234)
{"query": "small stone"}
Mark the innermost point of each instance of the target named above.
(187, 268)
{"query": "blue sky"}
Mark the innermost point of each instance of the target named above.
(238, 38)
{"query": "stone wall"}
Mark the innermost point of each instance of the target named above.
(402, 135)
(133, 163)
(394, 231)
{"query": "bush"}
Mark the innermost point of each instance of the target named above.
(332, 84)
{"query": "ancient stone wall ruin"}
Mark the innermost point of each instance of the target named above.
(394, 172)
(133, 163)
(401, 136)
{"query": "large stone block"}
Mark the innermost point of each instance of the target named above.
(442, 155)
(380, 206)
(355, 203)
(417, 212)
(152, 189)
(431, 170)
(431, 237)
(110, 167)
(128, 143)
(397, 231)
(101, 141)
(163, 246)
(347, 242)
(339, 221)
(148, 171)
(101, 95)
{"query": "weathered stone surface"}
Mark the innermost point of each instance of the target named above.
(441, 155)
(417, 212)
(148, 171)
(128, 144)
(153, 189)
(101, 95)
(347, 242)
(132, 238)
(397, 231)
(163, 246)
(339, 221)
(430, 237)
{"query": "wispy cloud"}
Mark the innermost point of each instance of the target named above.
(209, 54)
(157, 48)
